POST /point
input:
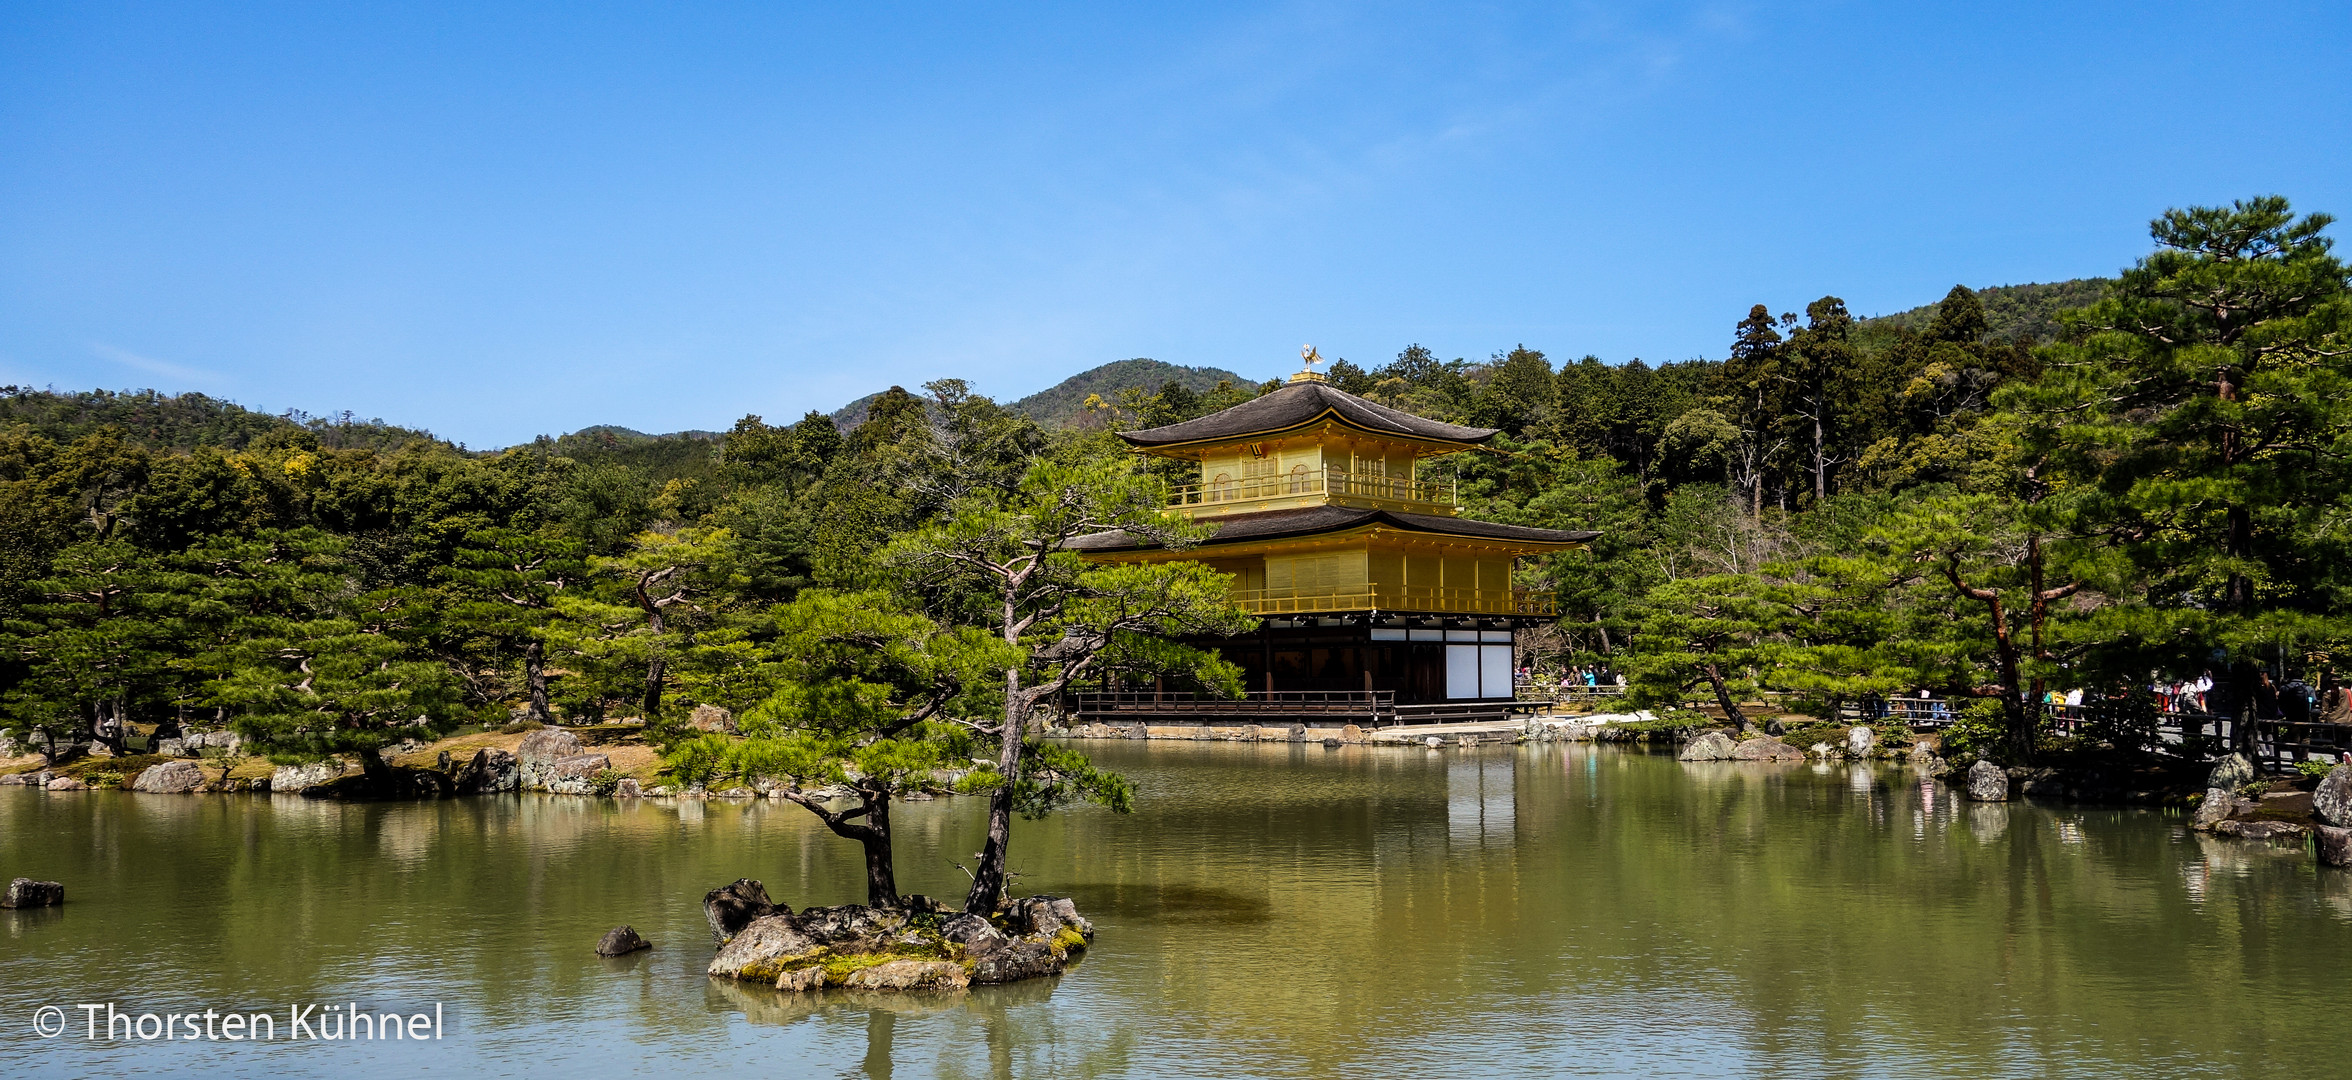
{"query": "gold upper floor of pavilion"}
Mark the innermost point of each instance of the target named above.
(1310, 444)
(1323, 504)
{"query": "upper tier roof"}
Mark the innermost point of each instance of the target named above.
(1314, 520)
(1297, 405)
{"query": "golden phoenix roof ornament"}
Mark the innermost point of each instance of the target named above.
(1307, 373)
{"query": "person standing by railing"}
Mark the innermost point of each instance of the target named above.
(2335, 701)
(2295, 701)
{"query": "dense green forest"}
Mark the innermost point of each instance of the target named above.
(2088, 485)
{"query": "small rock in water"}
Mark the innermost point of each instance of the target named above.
(731, 907)
(1433, 742)
(64, 783)
(1331, 744)
(1860, 741)
(2216, 808)
(1821, 750)
(621, 941)
(1988, 782)
(2334, 844)
(2259, 830)
(27, 893)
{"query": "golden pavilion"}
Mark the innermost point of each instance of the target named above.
(1351, 547)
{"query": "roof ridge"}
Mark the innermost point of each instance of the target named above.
(1297, 404)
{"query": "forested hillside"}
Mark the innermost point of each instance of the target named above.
(1064, 403)
(1833, 510)
(160, 421)
(2014, 312)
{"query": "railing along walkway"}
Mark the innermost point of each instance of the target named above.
(1329, 480)
(1372, 705)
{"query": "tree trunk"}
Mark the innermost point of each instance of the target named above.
(2015, 717)
(1820, 461)
(380, 777)
(1731, 709)
(170, 727)
(881, 873)
(653, 671)
(535, 677)
(873, 834)
(988, 878)
(1755, 492)
(108, 729)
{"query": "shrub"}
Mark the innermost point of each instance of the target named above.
(604, 783)
(2315, 767)
(1976, 733)
(696, 762)
(2127, 724)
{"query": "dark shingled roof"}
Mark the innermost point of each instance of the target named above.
(1300, 403)
(1311, 520)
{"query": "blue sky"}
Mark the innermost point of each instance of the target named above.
(497, 220)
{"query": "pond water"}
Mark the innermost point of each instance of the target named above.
(1269, 910)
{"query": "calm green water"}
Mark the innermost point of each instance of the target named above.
(1268, 911)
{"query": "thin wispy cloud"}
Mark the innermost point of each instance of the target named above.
(152, 366)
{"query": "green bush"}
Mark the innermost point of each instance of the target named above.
(696, 762)
(604, 783)
(2127, 724)
(1976, 732)
(2313, 767)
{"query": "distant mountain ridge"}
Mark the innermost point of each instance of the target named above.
(1060, 404)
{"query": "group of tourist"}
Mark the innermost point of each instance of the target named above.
(2184, 695)
(2294, 701)
(1572, 680)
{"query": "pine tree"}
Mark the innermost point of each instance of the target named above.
(2206, 409)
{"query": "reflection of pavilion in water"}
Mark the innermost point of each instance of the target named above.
(1482, 801)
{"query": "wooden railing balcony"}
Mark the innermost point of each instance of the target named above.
(1329, 481)
(1361, 597)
